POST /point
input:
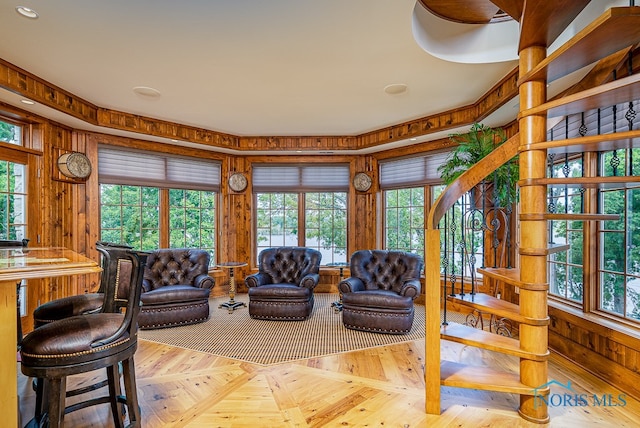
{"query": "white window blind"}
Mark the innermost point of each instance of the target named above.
(301, 178)
(138, 168)
(412, 171)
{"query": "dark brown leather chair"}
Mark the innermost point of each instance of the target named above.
(175, 289)
(88, 342)
(282, 289)
(379, 295)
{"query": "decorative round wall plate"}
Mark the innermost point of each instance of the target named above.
(362, 182)
(74, 165)
(238, 182)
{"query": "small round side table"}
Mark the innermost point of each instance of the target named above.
(232, 305)
(337, 306)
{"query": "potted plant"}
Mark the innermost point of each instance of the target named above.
(473, 146)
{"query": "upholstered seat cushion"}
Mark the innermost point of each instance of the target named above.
(67, 307)
(75, 339)
(280, 291)
(379, 299)
(174, 294)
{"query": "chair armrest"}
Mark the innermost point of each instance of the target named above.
(257, 279)
(310, 280)
(410, 288)
(204, 281)
(351, 284)
(146, 285)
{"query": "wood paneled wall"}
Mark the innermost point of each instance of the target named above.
(608, 351)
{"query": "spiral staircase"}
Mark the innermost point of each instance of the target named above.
(606, 42)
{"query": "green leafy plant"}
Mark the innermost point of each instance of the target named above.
(471, 147)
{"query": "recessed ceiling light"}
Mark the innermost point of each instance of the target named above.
(395, 88)
(146, 91)
(27, 12)
(27, 102)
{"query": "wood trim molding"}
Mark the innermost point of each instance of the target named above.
(20, 81)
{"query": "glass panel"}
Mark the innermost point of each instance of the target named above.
(574, 284)
(612, 292)
(405, 219)
(276, 220)
(633, 235)
(612, 253)
(557, 279)
(192, 222)
(10, 133)
(13, 201)
(130, 215)
(325, 225)
(633, 298)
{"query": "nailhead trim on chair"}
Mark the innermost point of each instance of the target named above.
(176, 323)
(174, 308)
(379, 330)
(75, 354)
(376, 315)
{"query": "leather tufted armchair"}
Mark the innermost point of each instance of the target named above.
(379, 295)
(175, 288)
(283, 287)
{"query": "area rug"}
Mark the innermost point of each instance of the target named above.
(237, 336)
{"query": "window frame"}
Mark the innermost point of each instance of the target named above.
(301, 222)
(164, 172)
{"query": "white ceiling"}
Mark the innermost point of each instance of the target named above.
(244, 67)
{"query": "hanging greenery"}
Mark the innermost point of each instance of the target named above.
(473, 146)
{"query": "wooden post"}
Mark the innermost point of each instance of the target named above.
(432, 296)
(533, 268)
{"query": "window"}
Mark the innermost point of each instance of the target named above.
(619, 241)
(410, 186)
(614, 291)
(326, 224)
(302, 205)
(566, 279)
(405, 219)
(10, 133)
(13, 207)
(192, 219)
(130, 214)
(13, 201)
(141, 192)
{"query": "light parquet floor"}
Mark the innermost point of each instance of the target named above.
(379, 387)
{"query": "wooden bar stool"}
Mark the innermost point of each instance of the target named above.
(88, 342)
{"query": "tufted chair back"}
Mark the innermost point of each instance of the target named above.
(172, 266)
(385, 270)
(289, 264)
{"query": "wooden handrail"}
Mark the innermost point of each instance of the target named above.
(473, 176)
